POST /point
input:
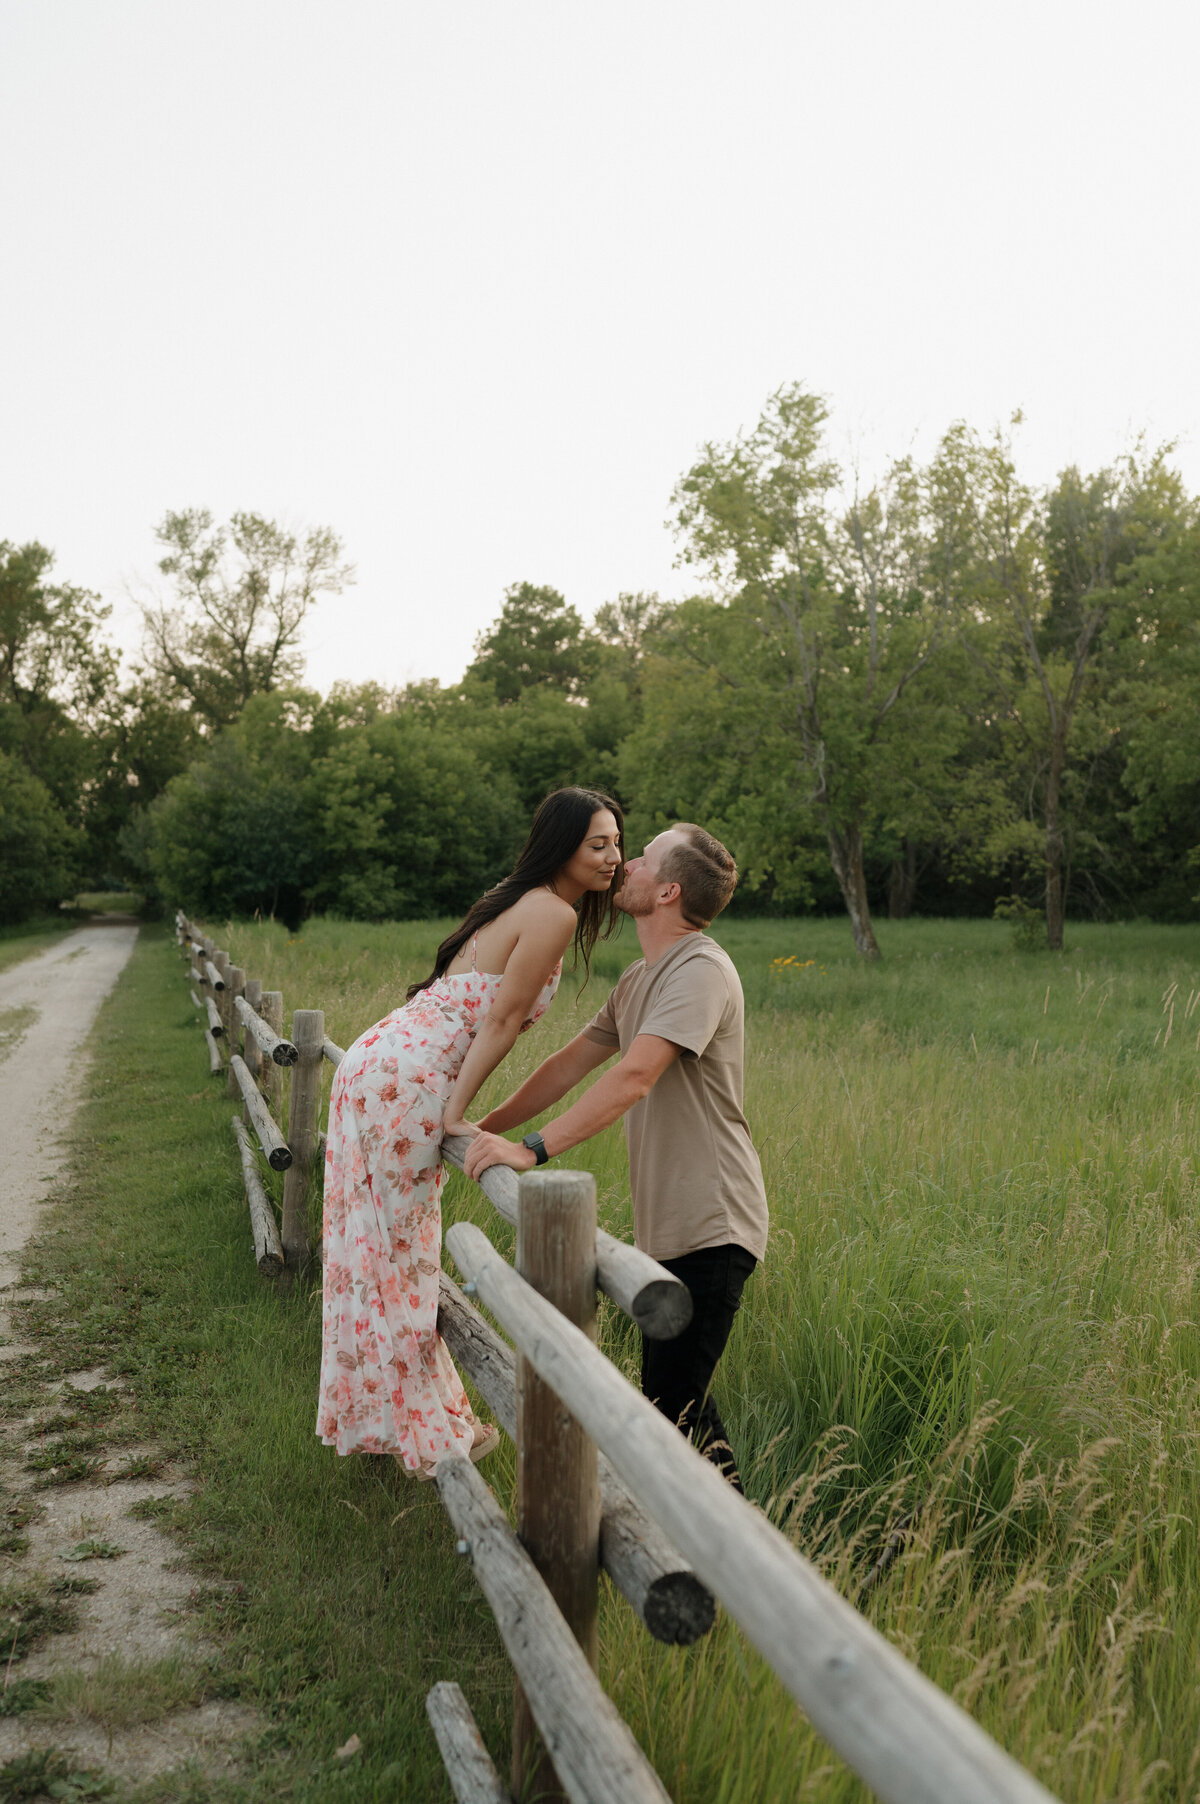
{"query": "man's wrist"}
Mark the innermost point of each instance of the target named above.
(537, 1146)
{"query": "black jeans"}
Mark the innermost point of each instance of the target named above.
(676, 1374)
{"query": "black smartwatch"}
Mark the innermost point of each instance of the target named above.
(537, 1147)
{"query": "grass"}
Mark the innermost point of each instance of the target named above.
(51, 1773)
(14, 1025)
(109, 902)
(30, 1610)
(22, 1695)
(977, 1318)
(118, 1694)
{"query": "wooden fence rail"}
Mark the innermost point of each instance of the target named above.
(639, 1559)
(596, 1757)
(655, 1299)
(473, 1778)
(308, 1037)
(898, 1731)
(268, 1249)
(279, 1155)
(603, 1479)
(265, 1038)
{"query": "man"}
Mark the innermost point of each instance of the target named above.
(698, 1201)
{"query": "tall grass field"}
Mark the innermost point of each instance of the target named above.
(974, 1338)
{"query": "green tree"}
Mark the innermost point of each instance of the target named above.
(232, 834)
(39, 849)
(713, 744)
(142, 740)
(56, 671)
(242, 593)
(537, 641)
(1039, 610)
(849, 603)
(539, 742)
(627, 631)
(406, 821)
(1158, 699)
(347, 806)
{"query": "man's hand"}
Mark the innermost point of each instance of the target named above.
(493, 1149)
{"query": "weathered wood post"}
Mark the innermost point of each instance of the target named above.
(473, 1778)
(272, 1077)
(221, 962)
(250, 1048)
(558, 1488)
(235, 984)
(308, 1037)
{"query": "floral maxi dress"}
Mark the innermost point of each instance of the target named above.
(388, 1385)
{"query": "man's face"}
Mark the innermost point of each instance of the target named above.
(639, 893)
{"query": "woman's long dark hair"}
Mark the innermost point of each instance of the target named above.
(559, 828)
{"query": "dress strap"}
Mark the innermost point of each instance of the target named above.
(474, 945)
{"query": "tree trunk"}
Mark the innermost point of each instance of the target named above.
(902, 882)
(846, 856)
(1056, 901)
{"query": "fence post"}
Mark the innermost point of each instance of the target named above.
(235, 985)
(221, 961)
(271, 1076)
(558, 1489)
(250, 1051)
(308, 1037)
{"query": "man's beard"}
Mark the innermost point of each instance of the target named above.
(637, 906)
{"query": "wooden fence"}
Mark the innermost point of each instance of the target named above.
(604, 1481)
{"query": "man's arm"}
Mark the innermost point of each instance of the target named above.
(607, 1100)
(552, 1079)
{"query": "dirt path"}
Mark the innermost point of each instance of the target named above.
(100, 1676)
(47, 1007)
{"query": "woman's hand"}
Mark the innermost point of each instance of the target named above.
(454, 1126)
(492, 1149)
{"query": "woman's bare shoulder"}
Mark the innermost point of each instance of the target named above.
(540, 910)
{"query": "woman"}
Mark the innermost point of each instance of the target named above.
(387, 1382)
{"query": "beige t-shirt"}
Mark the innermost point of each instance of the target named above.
(694, 1173)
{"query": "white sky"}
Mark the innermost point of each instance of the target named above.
(472, 282)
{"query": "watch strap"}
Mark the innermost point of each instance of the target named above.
(537, 1146)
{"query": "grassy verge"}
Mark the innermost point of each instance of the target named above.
(978, 1318)
(340, 1600)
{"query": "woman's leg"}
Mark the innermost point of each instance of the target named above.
(388, 1384)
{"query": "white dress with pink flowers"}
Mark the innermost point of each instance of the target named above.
(388, 1385)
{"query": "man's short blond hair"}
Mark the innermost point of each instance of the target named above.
(703, 869)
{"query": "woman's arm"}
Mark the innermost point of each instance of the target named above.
(546, 924)
(551, 1081)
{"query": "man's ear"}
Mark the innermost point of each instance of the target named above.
(670, 892)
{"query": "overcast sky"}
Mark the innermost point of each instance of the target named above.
(473, 282)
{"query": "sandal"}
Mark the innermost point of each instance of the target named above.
(488, 1444)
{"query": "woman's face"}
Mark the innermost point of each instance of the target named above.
(596, 862)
